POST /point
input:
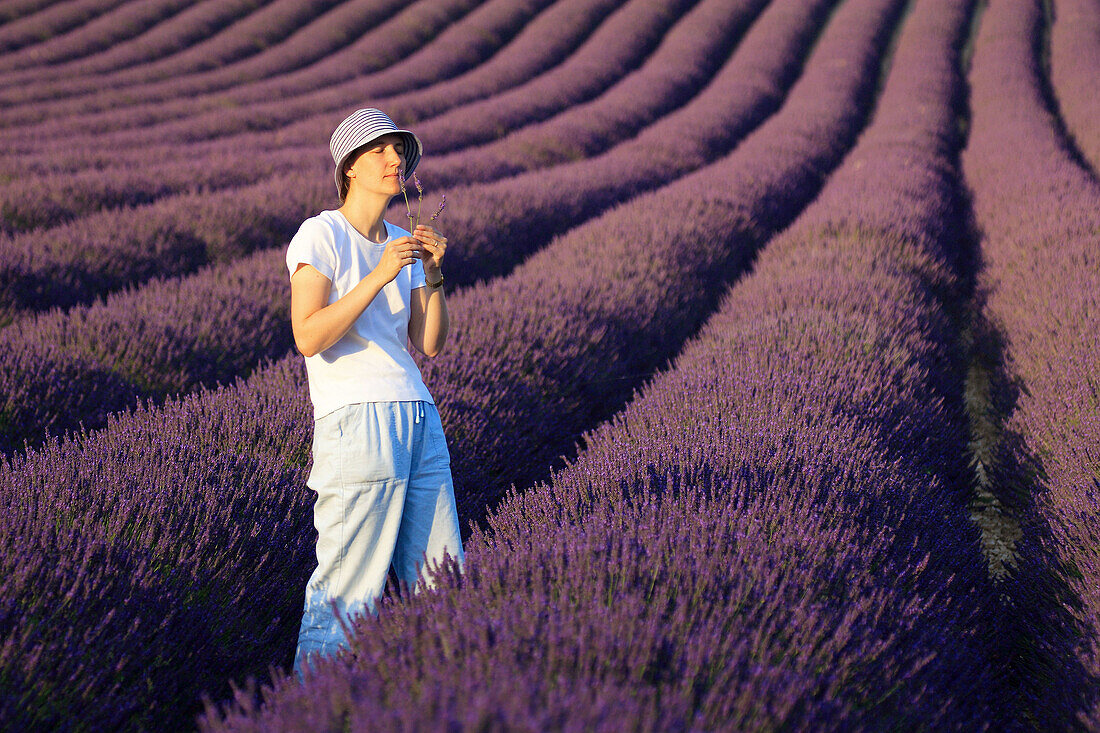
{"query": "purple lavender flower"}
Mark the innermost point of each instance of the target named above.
(414, 219)
(419, 199)
(442, 205)
(405, 194)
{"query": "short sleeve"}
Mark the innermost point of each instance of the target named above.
(313, 245)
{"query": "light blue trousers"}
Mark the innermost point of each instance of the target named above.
(382, 474)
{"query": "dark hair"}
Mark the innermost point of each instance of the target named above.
(345, 182)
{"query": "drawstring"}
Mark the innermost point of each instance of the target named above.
(419, 412)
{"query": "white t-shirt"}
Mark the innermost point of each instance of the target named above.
(371, 362)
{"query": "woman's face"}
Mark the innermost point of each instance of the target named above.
(375, 166)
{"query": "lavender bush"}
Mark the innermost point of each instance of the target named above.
(116, 26)
(52, 198)
(262, 427)
(447, 55)
(75, 262)
(728, 108)
(686, 59)
(331, 48)
(266, 27)
(119, 372)
(58, 192)
(725, 565)
(65, 370)
(1074, 59)
(540, 47)
(186, 29)
(776, 532)
(50, 21)
(604, 59)
(769, 198)
(518, 215)
(470, 46)
(22, 8)
(1038, 213)
(129, 589)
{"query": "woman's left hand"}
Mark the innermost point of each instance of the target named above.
(434, 246)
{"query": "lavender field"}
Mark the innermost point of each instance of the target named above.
(772, 392)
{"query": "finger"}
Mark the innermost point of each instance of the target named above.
(429, 235)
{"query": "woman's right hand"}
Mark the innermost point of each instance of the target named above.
(399, 253)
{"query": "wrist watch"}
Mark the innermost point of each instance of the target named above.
(435, 285)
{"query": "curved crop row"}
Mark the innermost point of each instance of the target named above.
(16, 9)
(266, 26)
(155, 598)
(524, 222)
(62, 371)
(468, 45)
(201, 505)
(528, 209)
(585, 74)
(1075, 63)
(411, 107)
(187, 28)
(685, 61)
(50, 21)
(714, 558)
(351, 39)
(78, 261)
(157, 239)
(62, 193)
(118, 25)
(49, 202)
(1039, 216)
(617, 45)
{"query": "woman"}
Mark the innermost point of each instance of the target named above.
(361, 289)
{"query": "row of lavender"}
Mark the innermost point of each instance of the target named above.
(1074, 64)
(74, 368)
(118, 25)
(165, 338)
(99, 48)
(21, 32)
(1038, 212)
(773, 535)
(617, 46)
(15, 9)
(65, 369)
(328, 33)
(204, 36)
(200, 547)
(73, 262)
(58, 193)
(460, 32)
(392, 45)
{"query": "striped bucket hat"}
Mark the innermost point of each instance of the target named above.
(361, 127)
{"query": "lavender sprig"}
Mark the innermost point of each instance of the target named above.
(442, 205)
(414, 220)
(419, 196)
(405, 194)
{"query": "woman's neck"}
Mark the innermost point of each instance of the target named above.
(365, 212)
